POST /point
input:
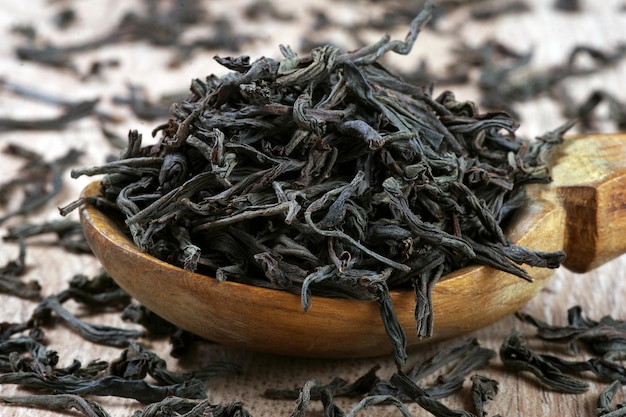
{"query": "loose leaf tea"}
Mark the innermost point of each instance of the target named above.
(136, 362)
(69, 233)
(462, 359)
(26, 362)
(604, 337)
(160, 23)
(337, 145)
(99, 291)
(516, 356)
(70, 114)
(94, 332)
(39, 180)
(604, 407)
(59, 402)
(410, 389)
(175, 406)
(506, 77)
(72, 109)
(326, 174)
(584, 111)
(140, 390)
(402, 388)
(141, 106)
(483, 390)
(338, 387)
(306, 394)
(10, 282)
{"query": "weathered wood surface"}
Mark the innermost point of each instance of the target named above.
(599, 292)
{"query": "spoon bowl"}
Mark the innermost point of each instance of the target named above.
(581, 212)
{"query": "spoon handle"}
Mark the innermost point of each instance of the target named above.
(589, 174)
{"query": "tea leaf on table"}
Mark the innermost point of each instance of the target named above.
(94, 332)
(69, 233)
(469, 356)
(604, 407)
(136, 362)
(41, 180)
(10, 273)
(484, 389)
(58, 402)
(409, 389)
(140, 390)
(338, 387)
(604, 337)
(516, 356)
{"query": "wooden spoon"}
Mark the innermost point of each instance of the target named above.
(581, 211)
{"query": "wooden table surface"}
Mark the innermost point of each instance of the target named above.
(552, 34)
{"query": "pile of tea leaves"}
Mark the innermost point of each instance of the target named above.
(327, 174)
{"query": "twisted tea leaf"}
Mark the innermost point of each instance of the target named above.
(517, 357)
(154, 324)
(58, 402)
(604, 337)
(409, 389)
(337, 387)
(175, 406)
(304, 398)
(135, 362)
(98, 291)
(36, 352)
(70, 114)
(94, 332)
(140, 390)
(42, 180)
(603, 368)
(442, 358)
(9, 329)
(483, 390)
(604, 407)
(390, 322)
(468, 355)
(585, 110)
(10, 273)
(69, 233)
(379, 400)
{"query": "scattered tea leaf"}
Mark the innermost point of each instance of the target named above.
(10, 282)
(94, 332)
(484, 389)
(517, 357)
(604, 337)
(58, 402)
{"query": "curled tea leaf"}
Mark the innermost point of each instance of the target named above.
(517, 357)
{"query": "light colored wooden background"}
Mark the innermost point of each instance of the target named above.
(551, 34)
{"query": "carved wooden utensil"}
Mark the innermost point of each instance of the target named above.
(583, 211)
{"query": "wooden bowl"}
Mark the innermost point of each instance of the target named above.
(589, 184)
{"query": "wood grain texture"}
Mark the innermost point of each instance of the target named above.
(599, 292)
(590, 175)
